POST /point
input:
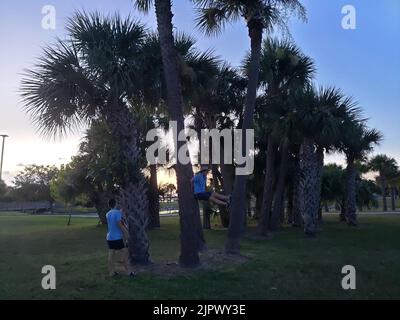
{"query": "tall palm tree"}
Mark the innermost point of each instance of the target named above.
(321, 114)
(190, 222)
(259, 15)
(216, 102)
(90, 77)
(283, 69)
(356, 142)
(337, 109)
(196, 68)
(384, 165)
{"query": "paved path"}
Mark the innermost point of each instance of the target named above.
(172, 213)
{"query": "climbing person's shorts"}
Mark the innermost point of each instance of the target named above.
(203, 196)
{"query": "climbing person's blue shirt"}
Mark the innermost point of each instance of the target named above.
(114, 231)
(199, 182)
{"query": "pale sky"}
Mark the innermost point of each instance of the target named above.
(364, 62)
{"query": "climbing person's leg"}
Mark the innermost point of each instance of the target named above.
(203, 196)
(221, 196)
(215, 199)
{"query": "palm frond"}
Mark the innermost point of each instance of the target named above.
(56, 91)
(110, 46)
(283, 64)
(143, 5)
(211, 21)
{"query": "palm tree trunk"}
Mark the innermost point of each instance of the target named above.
(228, 173)
(217, 176)
(266, 204)
(309, 166)
(275, 221)
(351, 205)
(190, 223)
(297, 194)
(393, 196)
(290, 194)
(154, 202)
(383, 190)
(282, 210)
(342, 215)
(258, 196)
(132, 196)
(228, 176)
(206, 215)
(238, 205)
(320, 159)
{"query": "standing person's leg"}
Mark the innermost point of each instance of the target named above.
(110, 262)
(127, 264)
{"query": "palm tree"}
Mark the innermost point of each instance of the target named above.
(190, 222)
(336, 109)
(356, 142)
(216, 100)
(283, 68)
(259, 15)
(197, 71)
(384, 166)
(90, 77)
(321, 114)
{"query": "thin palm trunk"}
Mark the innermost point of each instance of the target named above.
(267, 198)
(206, 215)
(258, 196)
(282, 209)
(393, 196)
(290, 193)
(154, 202)
(383, 191)
(275, 221)
(320, 159)
(217, 176)
(190, 223)
(350, 213)
(309, 166)
(342, 215)
(238, 205)
(228, 173)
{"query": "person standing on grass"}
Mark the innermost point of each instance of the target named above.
(199, 183)
(115, 238)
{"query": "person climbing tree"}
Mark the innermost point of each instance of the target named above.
(199, 183)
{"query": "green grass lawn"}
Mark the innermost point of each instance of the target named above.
(288, 266)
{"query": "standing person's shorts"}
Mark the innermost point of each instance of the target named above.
(116, 244)
(203, 196)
